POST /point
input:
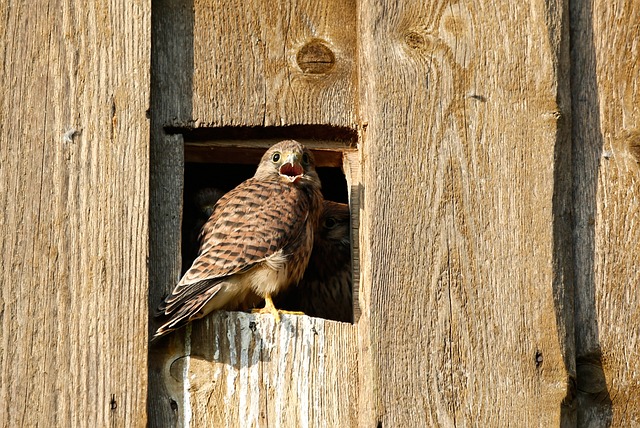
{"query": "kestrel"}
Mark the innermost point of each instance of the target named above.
(325, 289)
(205, 200)
(257, 241)
(197, 210)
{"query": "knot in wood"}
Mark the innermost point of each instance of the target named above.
(315, 58)
(414, 40)
(632, 139)
(591, 378)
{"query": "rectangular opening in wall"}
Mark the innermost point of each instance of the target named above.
(218, 159)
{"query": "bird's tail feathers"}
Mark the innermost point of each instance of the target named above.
(187, 311)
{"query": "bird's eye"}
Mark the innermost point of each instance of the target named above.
(305, 158)
(330, 223)
(275, 157)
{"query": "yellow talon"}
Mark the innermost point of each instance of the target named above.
(282, 311)
(269, 308)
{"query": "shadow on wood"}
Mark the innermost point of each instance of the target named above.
(594, 407)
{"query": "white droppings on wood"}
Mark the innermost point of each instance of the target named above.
(317, 404)
(67, 137)
(215, 333)
(265, 346)
(254, 385)
(233, 360)
(186, 397)
(302, 373)
(245, 341)
(216, 342)
(277, 370)
(284, 325)
(266, 334)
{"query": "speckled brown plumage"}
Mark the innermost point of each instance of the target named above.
(257, 241)
(325, 291)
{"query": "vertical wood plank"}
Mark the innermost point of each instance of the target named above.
(171, 88)
(464, 219)
(352, 172)
(247, 57)
(73, 187)
(606, 134)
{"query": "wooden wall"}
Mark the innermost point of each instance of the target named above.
(466, 183)
(493, 195)
(606, 153)
(74, 143)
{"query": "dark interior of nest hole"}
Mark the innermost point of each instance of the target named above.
(204, 183)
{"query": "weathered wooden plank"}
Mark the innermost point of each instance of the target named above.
(367, 396)
(73, 187)
(249, 58)
(463, 236)
(352, 171)
(244, 370)
(165, 218)
(606, 134)
(171, 84)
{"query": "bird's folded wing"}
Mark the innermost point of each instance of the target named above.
(181, 295)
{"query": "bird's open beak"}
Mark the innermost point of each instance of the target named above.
(291, 168)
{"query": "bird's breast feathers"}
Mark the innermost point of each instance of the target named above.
(270, 276)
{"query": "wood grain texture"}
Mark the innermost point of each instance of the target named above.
(165, 218)
(246, 68)
(464, 134)
(352, 171)
(244, 370)
(171, 83)
(606, 134)
(73, 187)
(368, 394)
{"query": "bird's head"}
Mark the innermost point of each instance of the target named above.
(290, 162)
(334, 225)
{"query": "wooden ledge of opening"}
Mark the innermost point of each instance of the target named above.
(244, 370)
(327, 153)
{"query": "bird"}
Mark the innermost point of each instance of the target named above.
(197, 209)
(325, 291)
(257, 241)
